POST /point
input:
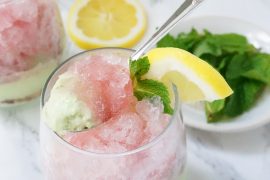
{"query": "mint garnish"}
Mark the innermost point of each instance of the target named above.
(148, 88)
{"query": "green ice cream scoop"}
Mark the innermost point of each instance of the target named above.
(64, 111)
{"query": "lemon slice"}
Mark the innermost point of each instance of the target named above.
(196, 79)
(106, 23)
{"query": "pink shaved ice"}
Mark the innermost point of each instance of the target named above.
(123, 123)
(155, 119)
(123, 132)
(30, 30)
(106, 88)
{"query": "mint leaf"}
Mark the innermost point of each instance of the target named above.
(238, 65)
(148, 88)
(214, 110)
(207, 47)
(245, 94)
(185, 41)
(139, 67)
(189, 40)
(215, 106)
(253, 66)
(259, 68)
(218, 44)
(230, 42)
(168, 41)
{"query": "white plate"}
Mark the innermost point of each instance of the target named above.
(257, 115)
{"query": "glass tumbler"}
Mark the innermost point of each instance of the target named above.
(31, 45)
(163, 158)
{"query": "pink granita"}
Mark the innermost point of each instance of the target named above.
(27, 31)
(123, 132)
(119, 134)
(105, 87)
(31, 37)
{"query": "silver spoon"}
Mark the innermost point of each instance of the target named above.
(183, 10)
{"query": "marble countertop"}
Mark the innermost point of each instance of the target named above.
(211, 156)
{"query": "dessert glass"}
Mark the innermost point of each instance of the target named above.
(31, 45)
(162, 158)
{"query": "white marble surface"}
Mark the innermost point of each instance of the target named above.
(211, 156)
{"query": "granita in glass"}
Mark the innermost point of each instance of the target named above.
(94, 127)
(31, 44)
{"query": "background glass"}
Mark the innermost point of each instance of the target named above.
(31, 45)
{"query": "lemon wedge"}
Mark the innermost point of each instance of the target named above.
(196, 79)
(106, 23)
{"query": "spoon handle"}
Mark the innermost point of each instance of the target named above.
(184, 9)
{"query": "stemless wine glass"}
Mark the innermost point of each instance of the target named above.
(162, 158)
(31, 45)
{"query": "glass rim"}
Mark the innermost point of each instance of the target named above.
(90, 153)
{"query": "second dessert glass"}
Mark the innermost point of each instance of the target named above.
(31, 45)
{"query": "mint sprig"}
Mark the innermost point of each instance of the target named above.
(139, 68)
(148, 88)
